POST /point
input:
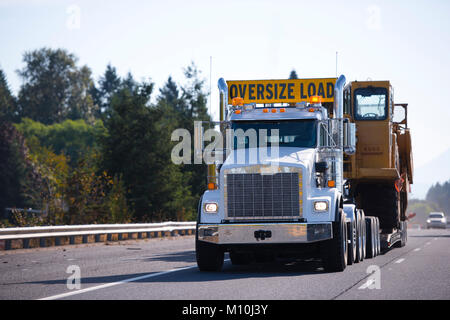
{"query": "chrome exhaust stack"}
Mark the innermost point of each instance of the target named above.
(223, 89)
(338, 106)
(338, 114)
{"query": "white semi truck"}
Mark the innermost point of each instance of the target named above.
(276, 186)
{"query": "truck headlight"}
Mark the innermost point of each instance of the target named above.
(320, 206)
(211, 207)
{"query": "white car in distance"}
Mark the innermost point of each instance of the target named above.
(436, 220)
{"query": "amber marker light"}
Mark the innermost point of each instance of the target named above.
(331, 184)
(282, 110)
(238, 112)
(237, 101)
(315, 99)
(274, 110)
(265, 110)
(211, 186)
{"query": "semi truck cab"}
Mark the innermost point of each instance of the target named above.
(280, 186)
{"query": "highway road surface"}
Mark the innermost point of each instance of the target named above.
(166, 269)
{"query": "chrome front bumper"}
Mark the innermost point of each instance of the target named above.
(258, 233)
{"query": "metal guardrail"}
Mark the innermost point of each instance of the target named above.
(32, 237)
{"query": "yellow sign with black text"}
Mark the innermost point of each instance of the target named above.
(277, 91)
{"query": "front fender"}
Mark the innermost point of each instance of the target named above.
(210, 196)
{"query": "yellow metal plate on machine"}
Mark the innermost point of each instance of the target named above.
(278, 91)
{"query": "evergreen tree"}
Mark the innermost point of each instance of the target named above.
(108, 85)
(8, 103)
(138, 148)
(293, 74)
(440, 195)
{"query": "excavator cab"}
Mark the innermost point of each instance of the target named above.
(380, 171)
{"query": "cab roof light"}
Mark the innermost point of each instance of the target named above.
(265, 110)
(274, 110)
(238, 111)
(315, 100)
(237, 101)
(282, 110)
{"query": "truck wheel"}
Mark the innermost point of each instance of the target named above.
(359, 238)
(239, 258)
(404, 236)
(377, 236)
(370, 239)
(352, 242)
(334, 251)
(209, 256)
(364, 236)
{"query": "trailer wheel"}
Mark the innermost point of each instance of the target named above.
(364, 236)
(404, 236)
(377, 236)
(370, 239)
(359, 238)
(352, 242)
(209, 256)
(334, 251)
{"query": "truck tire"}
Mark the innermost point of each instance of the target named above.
(370, 239)
(209, 256)
(377, 236)
(334, 251)
(359, 251)
(352, 242)
(404, 236)
(363, 232)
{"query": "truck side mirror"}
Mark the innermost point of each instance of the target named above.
(349, 138)
(321, 166)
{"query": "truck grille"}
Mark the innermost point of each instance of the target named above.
(253, 195)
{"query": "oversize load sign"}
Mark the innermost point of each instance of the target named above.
(273, 91)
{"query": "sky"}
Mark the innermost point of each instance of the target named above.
(406, 42)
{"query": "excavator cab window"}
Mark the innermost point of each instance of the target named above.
(371, 103)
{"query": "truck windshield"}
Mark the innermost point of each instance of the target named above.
(370, 103)
(291, 133)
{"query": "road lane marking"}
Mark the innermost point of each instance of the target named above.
(417, 249)
(107, 285)
(367, 284)
(400, 260)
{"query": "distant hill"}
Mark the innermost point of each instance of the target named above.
(436, 170)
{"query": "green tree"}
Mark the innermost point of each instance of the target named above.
(293, 74)
(73, 138)
(108, 85)
(54, 88)
(137, 148)
(195, 100)
(19, 179)
(440, 195)
(8, 103)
